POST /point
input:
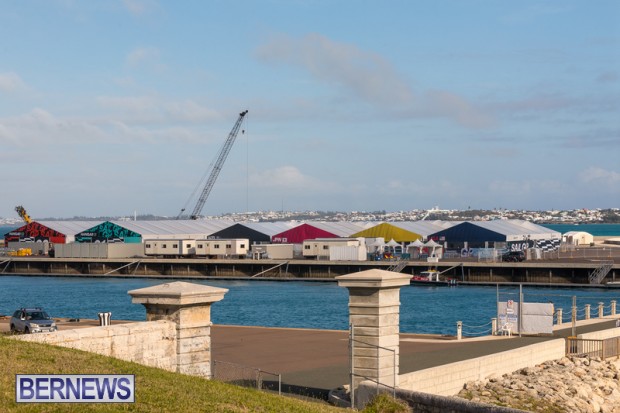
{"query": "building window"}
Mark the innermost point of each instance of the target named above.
(216, 246)
(242, 246)
(325, 247)
(306, 247)
(175, 245)
(228, 246)
(148, 245)
(188, 245)
(199, 245)
(164, 246)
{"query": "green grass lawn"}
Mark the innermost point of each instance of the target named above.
(156, 390)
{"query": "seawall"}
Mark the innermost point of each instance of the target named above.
(565, 272)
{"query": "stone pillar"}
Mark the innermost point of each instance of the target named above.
(459, 330)
(374, 313)
(559, 317)
(600, 310)
(587, 316)
(613, 307)
(189, 307)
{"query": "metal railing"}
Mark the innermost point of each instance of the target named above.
(609, 347)
(601, 272)
(246, 376)
(398, 267)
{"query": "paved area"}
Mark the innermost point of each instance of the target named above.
(312, 362)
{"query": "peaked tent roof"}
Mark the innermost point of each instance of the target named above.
(497, 230)
(425, 228)
(58, 232)
(312, 230)
(107, 232)
(256, 232)
(388, 231)
(467, 232)
(176, 229)
(516, 229)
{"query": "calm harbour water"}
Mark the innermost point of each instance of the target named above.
(294, 304)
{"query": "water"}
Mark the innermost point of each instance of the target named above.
(295, 304)
(597, 230)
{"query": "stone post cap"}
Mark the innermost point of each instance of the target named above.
(177, 293)
(374, 279)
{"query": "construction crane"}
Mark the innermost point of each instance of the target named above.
(23, 214)
(217, 167)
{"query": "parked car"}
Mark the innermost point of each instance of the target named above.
(513, 256)
(32, 320)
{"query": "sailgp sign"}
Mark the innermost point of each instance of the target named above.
(75, 388)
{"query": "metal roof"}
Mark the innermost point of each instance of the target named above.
(516, 229)
(69, 228)
(340, 228)
(175, 228)
(424, 228)
(269, 228)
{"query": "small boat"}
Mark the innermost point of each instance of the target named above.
(431, 277)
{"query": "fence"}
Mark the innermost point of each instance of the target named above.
(246, 376)
(571, 251)
(609, 347)
(589, 307)
(474, 330)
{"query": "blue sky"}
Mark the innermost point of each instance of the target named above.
(111, 107)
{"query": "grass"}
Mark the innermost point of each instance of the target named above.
(156, 390)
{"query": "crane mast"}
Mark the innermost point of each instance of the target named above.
(217, 167)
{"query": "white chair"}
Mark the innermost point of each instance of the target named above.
(506, 328)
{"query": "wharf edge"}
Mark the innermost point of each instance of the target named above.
(552, 273)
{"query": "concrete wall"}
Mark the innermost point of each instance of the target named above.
(150, 343)
(601, 335)
(98, 250)
(449, 379)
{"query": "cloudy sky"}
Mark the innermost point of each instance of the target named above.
(111, 107)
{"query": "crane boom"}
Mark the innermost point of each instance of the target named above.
(217, 166)
(21, 211)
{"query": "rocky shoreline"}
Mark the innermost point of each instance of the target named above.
(570, 384)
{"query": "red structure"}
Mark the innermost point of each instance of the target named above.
(301, 233)
(35, 232)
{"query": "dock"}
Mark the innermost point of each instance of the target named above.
(549, 272)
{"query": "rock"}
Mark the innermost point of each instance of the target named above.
(575, 384)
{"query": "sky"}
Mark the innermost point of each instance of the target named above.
(111, 108)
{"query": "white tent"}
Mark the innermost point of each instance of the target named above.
(414, 248)
(434, 246)
(416, 244)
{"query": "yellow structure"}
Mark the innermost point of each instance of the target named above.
(23, 214)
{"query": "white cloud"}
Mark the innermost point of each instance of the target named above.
(143, 56)
(370, 77)
(596, 175)
(365, 74)
(11, 82)
(39, 128)
(139, 7)
(289, 178)
(155, 109)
